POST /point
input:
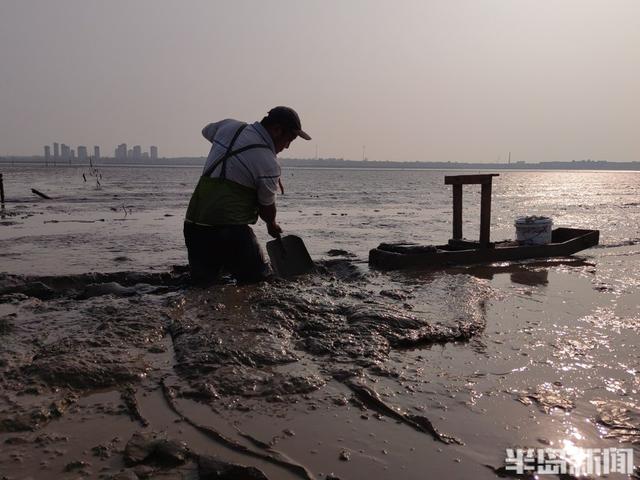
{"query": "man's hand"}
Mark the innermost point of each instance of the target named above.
(274, 229)
(268, 214)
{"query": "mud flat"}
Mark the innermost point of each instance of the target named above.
(344, 373)
(94, 364)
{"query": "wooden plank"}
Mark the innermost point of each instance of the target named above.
(461, 244)
(485, 215)
(469, 179)
(40, 194)
(457, 212)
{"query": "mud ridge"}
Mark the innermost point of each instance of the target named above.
(87, 285)
(128, 395)
(271, 456)
(371, 399)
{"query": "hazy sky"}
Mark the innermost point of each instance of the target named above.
(458, 80)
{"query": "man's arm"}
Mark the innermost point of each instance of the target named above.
(268, 214)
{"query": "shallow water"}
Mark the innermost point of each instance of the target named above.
(533, 354)
(133, 221)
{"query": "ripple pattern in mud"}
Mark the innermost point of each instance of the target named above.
(292, 337)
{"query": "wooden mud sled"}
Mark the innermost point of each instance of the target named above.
(458, 251)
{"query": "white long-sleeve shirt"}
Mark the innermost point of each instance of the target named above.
(256, 168)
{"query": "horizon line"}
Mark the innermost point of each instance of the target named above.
(75, 161)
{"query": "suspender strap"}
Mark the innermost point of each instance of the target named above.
(223, 159)
(235, 137)
(248, 147)
(230, 153)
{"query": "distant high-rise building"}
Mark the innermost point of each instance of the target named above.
(137, 153)
(65, 152)
(121, 152)
(145, 156)
(82, 153)
(56, 151)
(72, 155)
(47, 153)
(96, 153)
(153, 152)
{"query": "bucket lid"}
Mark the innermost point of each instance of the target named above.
(533, 220)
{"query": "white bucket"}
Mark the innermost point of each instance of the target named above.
(533, 230)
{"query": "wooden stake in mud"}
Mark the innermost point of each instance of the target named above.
(457, 212)
(1, 192)
(485, 214)
(40, 194)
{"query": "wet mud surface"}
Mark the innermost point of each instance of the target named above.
(293, 337)
(338, 374)
(321, 340)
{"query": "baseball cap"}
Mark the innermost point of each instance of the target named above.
(288, 117)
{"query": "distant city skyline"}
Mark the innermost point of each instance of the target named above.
(64, 153)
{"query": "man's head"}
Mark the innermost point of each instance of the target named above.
(283, 124)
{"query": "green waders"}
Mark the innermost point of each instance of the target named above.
(216, 229)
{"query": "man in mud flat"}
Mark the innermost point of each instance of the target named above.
(238, 185)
